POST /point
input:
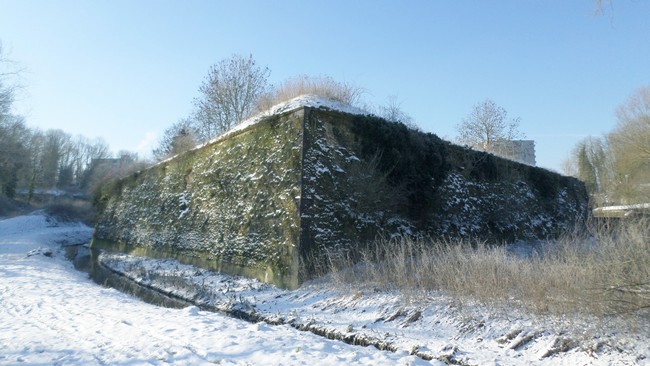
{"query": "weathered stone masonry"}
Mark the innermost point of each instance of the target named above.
(268, 200)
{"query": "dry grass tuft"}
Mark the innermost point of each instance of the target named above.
(323, 86)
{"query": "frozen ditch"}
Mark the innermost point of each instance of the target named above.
(85, 260)
(170, 284)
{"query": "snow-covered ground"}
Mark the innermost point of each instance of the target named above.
(434, 327)
(52, 314)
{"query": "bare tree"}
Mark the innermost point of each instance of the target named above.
(228, 94)
(180, 137)
(392, 111)
(594, 167)
(630, 146)
(488, 128)
(9, 75)
(6, 98)
(55, 150)
(570, 167)
(633, 129)
(13, 153)
(599, 6)
(6, 90)
(13, 134)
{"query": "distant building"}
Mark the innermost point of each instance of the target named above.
(522, 151)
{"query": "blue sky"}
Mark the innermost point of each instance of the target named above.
(125, 70)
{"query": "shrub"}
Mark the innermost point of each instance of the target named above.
(623, 267)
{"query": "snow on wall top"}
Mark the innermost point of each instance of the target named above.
(302, 101)
(289, 106)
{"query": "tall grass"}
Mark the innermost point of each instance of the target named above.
(324, 86)
(607, 272)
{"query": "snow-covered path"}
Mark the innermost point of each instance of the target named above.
(52, 314)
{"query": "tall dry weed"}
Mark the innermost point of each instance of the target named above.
(607, 272)
(323, 86)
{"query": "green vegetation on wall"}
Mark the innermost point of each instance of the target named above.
(285, 191)
(234, 201)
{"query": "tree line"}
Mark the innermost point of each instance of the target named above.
(33, 160)
(616, 166)
(235, 88)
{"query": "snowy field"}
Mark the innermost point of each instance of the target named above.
(52, 314)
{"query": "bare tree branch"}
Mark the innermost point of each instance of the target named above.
(228, 94)
(487, 128)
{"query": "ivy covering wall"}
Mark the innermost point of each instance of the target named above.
(272, 199)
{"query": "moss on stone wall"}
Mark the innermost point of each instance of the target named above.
(282, 192)
(365, 177)
(234, 201)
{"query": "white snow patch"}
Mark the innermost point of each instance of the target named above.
(184, 202)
